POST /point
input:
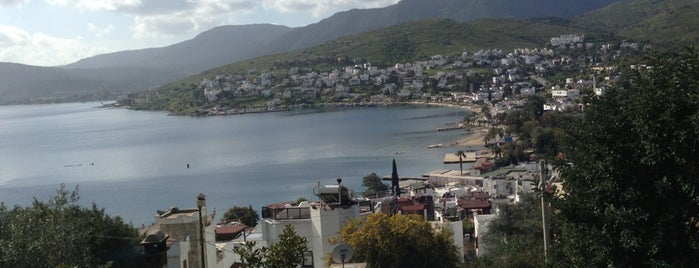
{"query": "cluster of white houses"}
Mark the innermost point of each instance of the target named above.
(189, 238)
(484, 75)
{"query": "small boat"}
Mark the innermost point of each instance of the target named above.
(435, 146)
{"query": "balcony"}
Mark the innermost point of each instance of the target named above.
(286, 213)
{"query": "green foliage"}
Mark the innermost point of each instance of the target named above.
(468, 227)
(547, 133)
(246, 215)
(58, 232)
(287, 252)
(373, 184)
(631, 195)
(183, 99)
(515, 238)
(461, 154)
(399, 241)
(400, 49)
(251, 256)
(670, 23)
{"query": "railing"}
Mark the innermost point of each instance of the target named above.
(290, 213)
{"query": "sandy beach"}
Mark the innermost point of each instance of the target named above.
(475, 139)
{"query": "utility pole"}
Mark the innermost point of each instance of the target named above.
(544, 209)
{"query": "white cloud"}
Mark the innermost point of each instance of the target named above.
(12, 3)
(100, 32)
(10, 35)
(92, 5)
(322, 8)
(154, 18)
(203, 16)
(18, 45)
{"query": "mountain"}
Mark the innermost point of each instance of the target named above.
(23, 84)
(422, 38)
(127, 71)
(218, 46)
(667, 23)
(364, 20)
(109, 75)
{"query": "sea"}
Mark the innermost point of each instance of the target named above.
(134, 163)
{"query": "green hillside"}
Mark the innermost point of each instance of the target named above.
(409, 42)
(667, 23)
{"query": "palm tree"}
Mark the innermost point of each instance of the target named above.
(485, 112)
(461, 156)
(496, 150)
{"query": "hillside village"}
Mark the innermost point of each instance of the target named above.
(563, 71)
(445, 197)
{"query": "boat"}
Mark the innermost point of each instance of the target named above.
(435, 146)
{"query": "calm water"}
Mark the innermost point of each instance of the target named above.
(133, 163)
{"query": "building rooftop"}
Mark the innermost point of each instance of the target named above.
(175, 212)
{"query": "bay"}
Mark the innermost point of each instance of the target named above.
(133, 163)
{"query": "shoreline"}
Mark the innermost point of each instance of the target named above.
(474, 141)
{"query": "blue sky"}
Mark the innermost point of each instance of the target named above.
(57, 32)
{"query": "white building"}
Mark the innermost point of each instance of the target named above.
(317, 221)
(481, 223)
(181, 230)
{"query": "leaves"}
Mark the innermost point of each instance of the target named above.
(58, 232)
(631, 193)
(287, 252)
(373, 184)
(399, 241)
(247, 215)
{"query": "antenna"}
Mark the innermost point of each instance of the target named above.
(339, 191)
(342, 253)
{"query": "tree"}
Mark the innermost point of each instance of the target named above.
(492, 133)
(496, 150)
(373, 184)
(534, 107)
(631, 194)
(251, 256)
(461, 155)
(515, 237)
(399, 241)
(485, 112)
(58, 232)
(289, 251)
(246, 215)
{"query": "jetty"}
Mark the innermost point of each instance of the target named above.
(449, 128)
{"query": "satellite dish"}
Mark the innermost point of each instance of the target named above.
(342, 253)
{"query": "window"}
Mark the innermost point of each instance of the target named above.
(308, 259)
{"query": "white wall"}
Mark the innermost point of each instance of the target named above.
(481, 223)
(177, 254)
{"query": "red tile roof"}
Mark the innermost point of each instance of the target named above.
(473, 203)
(230, 229)
(410, 205)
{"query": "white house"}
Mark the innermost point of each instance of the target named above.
(176, 241)
(317, 221)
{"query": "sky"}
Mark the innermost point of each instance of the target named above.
(58, 32)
